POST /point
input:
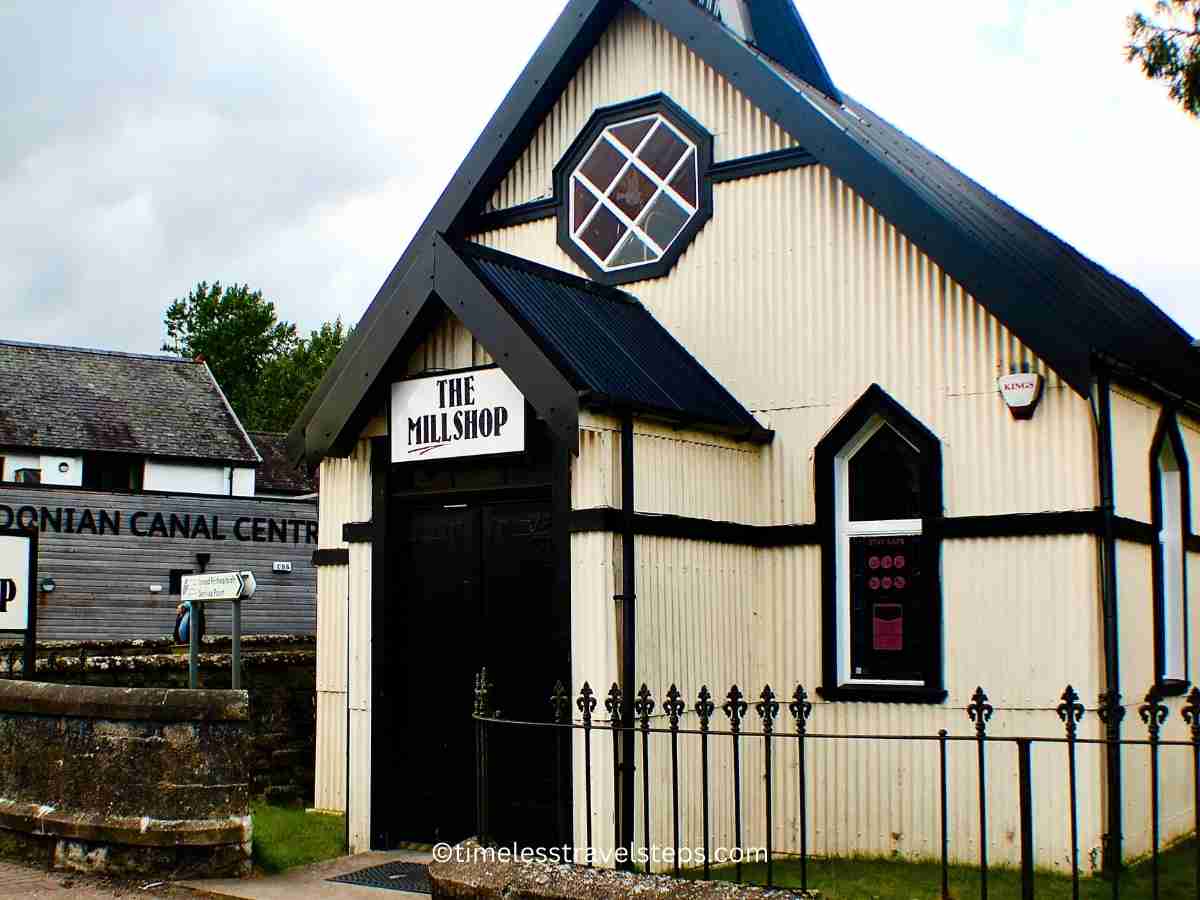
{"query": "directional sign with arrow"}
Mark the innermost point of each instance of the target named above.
(217, 586)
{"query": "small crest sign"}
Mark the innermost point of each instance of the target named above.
(1021, 392)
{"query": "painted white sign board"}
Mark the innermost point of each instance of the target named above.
(217, 586)
(14, 582)
(456, 415)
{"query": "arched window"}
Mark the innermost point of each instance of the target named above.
(879, 482)
(1169, 487)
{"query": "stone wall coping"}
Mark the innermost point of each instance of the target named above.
(122, 703)
(30, 818)
(510, 880)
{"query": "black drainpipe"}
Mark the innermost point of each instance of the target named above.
(1108, 602)
(628, 630)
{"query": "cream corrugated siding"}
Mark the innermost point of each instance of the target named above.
(449, 345)
(1135, 419)
(717, 615)
(795, 261)
(634, 58)
(1189, 429)
(345, 497)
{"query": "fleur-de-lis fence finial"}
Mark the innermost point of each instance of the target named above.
(767, 708)
(612, 703)
(980, 711)
(674, 706)
(800, 708)
(735, 707)
(1153, 713)
(560, 703)
(643, 706)
(483, 694)
(586, 703)
(1191, 713)
(1110, 709)
(1070, 711)
(705, 707)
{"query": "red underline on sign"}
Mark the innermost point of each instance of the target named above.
(423, 450)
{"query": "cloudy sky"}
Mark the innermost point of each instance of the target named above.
(297, 146)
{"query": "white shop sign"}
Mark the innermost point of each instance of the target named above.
(16, 588)
(456, 415)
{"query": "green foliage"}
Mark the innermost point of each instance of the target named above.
(288, 380)
(887, 879)
(1168, 47)
(265, 368)
(284, 838)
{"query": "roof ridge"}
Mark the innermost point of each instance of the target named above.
(95, 351)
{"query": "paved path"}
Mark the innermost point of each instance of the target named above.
(312, 881)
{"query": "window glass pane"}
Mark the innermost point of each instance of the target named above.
(633, 250)
(631, 135)
(602, 166)
(603, 232)
(664, 220)
(1171, 547)
(888, 612)
(885, 479)
(684, 183)
(633, 192)
(582, 203)
(662, 151)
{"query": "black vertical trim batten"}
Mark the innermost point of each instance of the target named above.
(628, 628)
(382, 796)
(1108, 602)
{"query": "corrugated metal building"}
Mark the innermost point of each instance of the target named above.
(806, 374)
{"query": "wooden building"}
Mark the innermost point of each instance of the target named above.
(691, 325)
(135, 471)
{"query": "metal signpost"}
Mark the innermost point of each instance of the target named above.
(211, 588)
(18, 591)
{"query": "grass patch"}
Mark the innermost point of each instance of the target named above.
(883, 879)
(285, 837)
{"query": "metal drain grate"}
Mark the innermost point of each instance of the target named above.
(397, 876)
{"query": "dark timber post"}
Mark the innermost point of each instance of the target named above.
(628, 632)
(1108, 602)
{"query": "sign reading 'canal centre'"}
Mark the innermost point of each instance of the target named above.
(455, 415)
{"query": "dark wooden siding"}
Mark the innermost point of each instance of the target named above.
(103, 580)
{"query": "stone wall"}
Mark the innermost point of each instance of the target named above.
(278, 671)
(126, 781)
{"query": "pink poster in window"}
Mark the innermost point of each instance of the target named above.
(888, 626)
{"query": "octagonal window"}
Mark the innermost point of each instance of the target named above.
(634, 192)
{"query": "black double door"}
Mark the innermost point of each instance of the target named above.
(471, 586)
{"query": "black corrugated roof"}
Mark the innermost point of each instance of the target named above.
(608, 344)
(70, 398)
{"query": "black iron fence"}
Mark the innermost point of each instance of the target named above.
(578, 714)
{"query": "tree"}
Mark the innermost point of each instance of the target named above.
(1168, 47)
(236, 332)
(288, 379)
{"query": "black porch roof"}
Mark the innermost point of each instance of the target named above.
(608, 345)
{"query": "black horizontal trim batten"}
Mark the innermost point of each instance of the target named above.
(534, 211)
(761, 164)
(1134, 531)
(1048, 524)
(883, 693)
(336, 557)
(358, 532)
(1019, 524)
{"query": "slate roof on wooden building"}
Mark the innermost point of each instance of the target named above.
(277, 474)
(74, 399)
(609, 345)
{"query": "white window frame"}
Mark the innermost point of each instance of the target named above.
(847, 529)
(662, 185)
(1172, 611)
